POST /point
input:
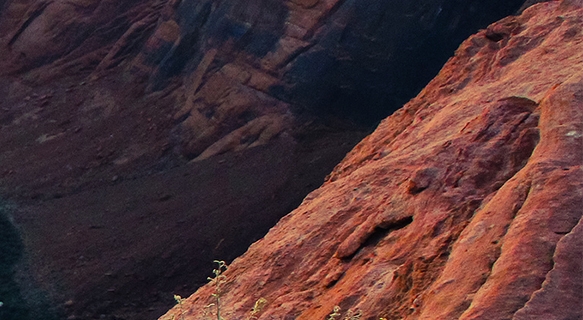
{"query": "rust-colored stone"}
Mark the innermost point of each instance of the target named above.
(464, 204)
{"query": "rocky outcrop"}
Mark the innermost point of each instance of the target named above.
(464, 204)
(140, 140)
(269, 57)
(237, 61)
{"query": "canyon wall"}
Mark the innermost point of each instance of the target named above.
(244, 66)
(464, 204)
(140, 140)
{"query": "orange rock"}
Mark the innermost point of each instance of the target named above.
(464, 204)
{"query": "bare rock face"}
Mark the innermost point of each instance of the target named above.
(140, 140)
(265, 58)
(237, 61)
(464, 204)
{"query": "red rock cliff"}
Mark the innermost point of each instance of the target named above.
(464, 204)
(105, 102)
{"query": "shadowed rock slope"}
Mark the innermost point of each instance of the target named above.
(464, 204)
(237, 68)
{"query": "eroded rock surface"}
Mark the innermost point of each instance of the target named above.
(140, 140)
(237, 61)
(464, 204)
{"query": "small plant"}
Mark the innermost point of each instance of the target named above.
(350, 315)
(259, 305)
(353, 315)
(335, 313)
(217, 281)
(180, 302)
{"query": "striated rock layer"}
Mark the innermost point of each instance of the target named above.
(464, 204)
(104, 103)
(244, 66)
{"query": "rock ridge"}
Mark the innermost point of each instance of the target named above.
(140, 140)
(464, 204)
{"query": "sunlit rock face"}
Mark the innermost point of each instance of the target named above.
(464, 204)
(140, 140)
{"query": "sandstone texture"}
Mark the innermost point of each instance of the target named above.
(464, 204)
(140, 140)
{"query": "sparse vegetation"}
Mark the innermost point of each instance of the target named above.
(218, 279)
(335, 313)
(179, 301)
(257, 308)
(350, 314)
